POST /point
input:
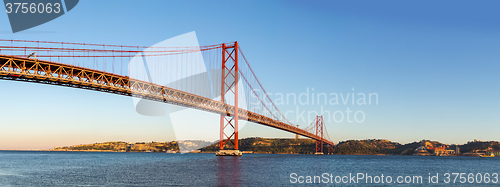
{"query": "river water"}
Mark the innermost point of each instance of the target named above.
(38, 168)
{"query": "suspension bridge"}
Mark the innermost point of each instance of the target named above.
(110, 68)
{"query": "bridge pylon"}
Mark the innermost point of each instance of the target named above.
(319, 132)
(229, 96)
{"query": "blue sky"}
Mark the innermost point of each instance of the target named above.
(434, 66)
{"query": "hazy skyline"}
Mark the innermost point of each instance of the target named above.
(433, 65)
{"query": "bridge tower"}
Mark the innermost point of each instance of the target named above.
(330, 149)
(297, 136)
(319, 132)
(229, 96)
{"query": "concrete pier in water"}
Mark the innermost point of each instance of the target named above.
(229, 153)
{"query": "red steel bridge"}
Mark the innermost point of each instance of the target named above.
(106, 68)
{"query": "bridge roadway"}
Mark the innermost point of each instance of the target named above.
(46, 72)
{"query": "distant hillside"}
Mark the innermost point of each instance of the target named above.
(308, 146)
(366, 147)
(478, 146)
(349, 147)
(380, 146)
(191, 145)
(123, 147)
(290, 146)
(409, 148)
(272, 146)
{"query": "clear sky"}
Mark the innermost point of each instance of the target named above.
(434, 66)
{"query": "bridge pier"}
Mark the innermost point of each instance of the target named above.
(229, 153)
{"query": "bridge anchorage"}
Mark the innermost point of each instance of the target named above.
(100, 67)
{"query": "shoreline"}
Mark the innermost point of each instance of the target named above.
(110, 151)
(256, 145)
